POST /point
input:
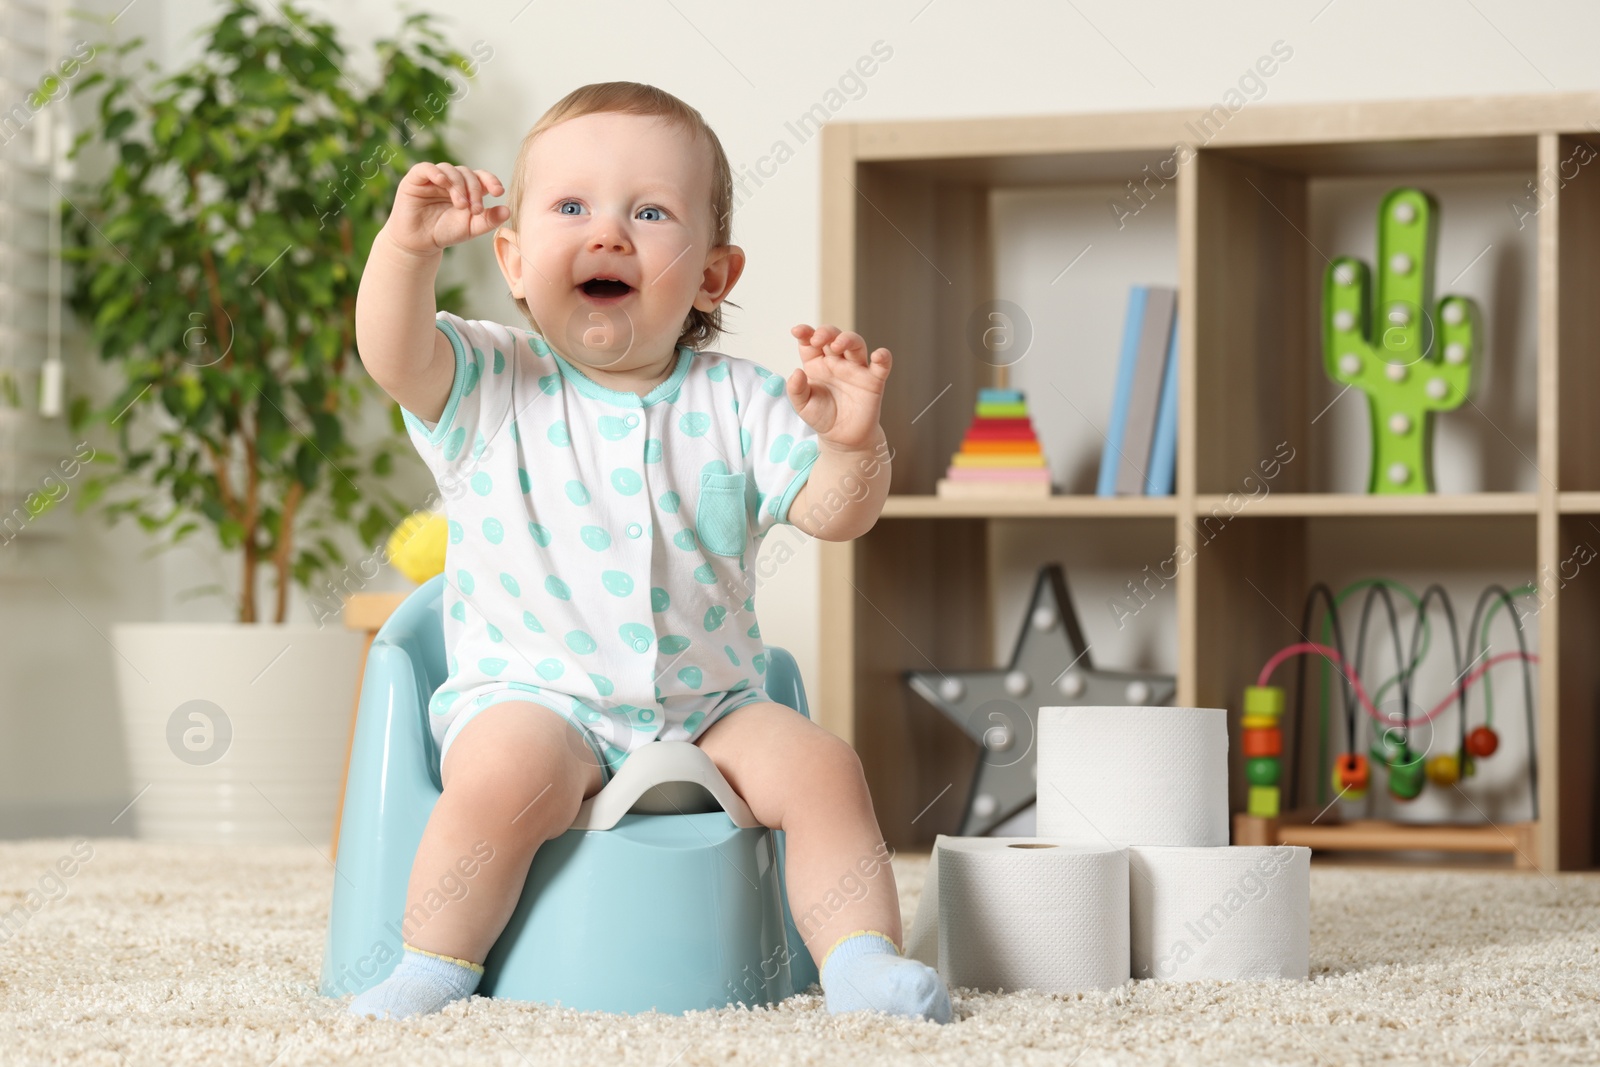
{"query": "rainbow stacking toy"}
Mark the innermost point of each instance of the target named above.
(1000, 454)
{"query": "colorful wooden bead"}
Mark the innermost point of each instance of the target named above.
(1263, 700)
(1262, 771)
(1262, 742)
(1351, 775)
(1259, 722)
(1263, 801)
(1482, 742)
(1444, 769)
(1406, 773)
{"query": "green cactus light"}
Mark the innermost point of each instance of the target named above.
(1409, 361)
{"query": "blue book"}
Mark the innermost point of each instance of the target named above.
(1164, 447)
(1110, 457)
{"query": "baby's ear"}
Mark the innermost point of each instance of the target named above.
(724, 265)
(508, 253)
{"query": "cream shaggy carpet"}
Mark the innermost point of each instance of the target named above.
(164, 954)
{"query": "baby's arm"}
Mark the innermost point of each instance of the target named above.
(435, 206)
(838, 391)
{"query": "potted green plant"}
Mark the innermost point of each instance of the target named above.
(216, 262)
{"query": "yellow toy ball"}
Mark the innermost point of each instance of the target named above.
(1444, 769)
(416, 548)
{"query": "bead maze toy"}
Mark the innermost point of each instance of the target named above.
(1272, 814)
(1000, 453)
(1391, 346)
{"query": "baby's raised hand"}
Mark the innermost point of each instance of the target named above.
(441, 204)
(838, 387)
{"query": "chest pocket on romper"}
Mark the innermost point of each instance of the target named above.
(719, 516)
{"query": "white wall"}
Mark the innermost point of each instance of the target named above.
(749, 74)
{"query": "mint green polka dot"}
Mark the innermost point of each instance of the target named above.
(464, 582)
(482, 483)
(639, 718)
(580, 642)
(684, 539)
(755, 628)
(532, 623)
(744, 441)
(595, 537)
(442, 700)
(557, 588)
(515, 436)
(617, 583)
(456, 532)
(803, 453)
(772, 385)
(717, 372)
(625, 481)
(478, 445)
(494, 632)
(512, 585)
(613, 428)
(491, 665)
(577, 493)
(474, 372)
(637, 637)
(780, 447)
(750, 602)
(694, 423)
(541, 535)
(694, 720)
(659, 600)
(732, 657)
(499, 361)
(714, 616)
(759, 662)
(743, 683)
(715, 466)
(550, 384)
(690, 676)
(669, 503)
(705, 574)
(550, 669)
(602, 684)
(672, 644)
(493, 531)
(458, 611)
(557, 434)
(453, 443)
(652, 450)
(524, 480)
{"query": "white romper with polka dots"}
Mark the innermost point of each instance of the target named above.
(602, 544)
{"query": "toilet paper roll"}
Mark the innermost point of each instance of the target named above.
(1029, 913)
(1133, 776)
(1238, 912)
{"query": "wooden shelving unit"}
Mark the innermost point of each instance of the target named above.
(908, 251)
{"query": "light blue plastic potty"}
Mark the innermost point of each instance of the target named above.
(666, 894)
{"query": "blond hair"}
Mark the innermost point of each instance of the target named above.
(634, 98)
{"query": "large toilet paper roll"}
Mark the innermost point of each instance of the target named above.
(1237, 912)
(1133, 776)
(1025, 913)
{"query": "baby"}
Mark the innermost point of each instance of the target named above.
(608, 484)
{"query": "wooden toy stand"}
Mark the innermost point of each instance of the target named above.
(1327, 832)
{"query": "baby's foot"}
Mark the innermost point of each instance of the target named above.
(865, 972)
(422, 983)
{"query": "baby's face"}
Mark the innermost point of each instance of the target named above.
(623, 197)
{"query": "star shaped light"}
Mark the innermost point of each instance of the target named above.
(999, 708)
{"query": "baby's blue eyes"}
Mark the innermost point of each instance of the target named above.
(660, 215)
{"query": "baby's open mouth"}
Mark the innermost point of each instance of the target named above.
(606, 287)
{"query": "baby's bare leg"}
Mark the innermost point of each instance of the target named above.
(513, 779)
(799, 778)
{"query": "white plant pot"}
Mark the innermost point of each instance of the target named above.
(239, 730)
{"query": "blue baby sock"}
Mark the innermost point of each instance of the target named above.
(864, 971)
(422, 983)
